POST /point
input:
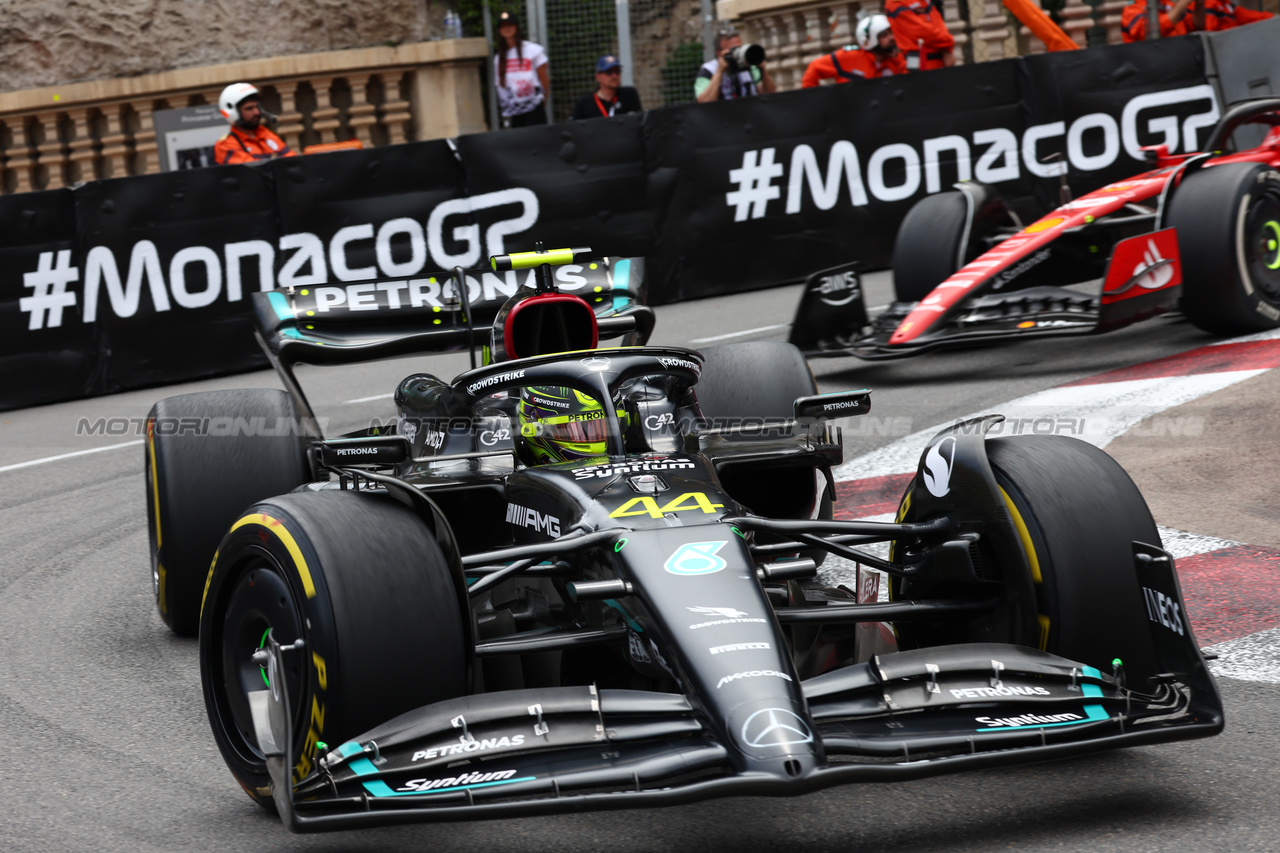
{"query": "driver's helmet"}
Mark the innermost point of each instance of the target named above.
(558, 424)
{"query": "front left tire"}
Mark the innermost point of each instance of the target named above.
(363, 582)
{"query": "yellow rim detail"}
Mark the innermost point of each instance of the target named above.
(277, 527)
(1032, 559)
(155, 480)
(1025, 536)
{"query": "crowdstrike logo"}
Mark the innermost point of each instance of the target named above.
(729, 616)
(990, 155)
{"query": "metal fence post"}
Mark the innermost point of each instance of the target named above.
(624, 41)
(708, 31)
(489, 74)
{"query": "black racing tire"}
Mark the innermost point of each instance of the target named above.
(1080, 513)
(754, 380)
(205, 462)
(759, 379)
(362, 580)
(927, 250)
(1228, 221)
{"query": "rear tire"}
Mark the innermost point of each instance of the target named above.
(203, 464)
(761, 380)
(1082, 514)
(362, 580)
(927, 250)
(1228, 221)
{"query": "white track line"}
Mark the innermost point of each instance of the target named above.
(1105, 410)
(726, 337)
(369, 399)
(1252, 658)
(18, 465)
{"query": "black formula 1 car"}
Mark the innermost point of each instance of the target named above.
(1201, 231)
(424, 623)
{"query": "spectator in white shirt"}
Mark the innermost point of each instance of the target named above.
(521, 74)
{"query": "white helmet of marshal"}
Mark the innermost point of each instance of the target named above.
(869, 29)
(229, 100)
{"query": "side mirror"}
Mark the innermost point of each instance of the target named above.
(825, 407)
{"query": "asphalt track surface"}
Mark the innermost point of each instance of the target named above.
(104, 743)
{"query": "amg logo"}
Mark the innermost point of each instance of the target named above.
(1002, 690)
(1027, 720)
(755, 673)
(466, 779)
(469, 746)
(523, 516)
(738, 647)
(1164, 610)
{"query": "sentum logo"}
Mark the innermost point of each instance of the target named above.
(696, 558)
(938, 463)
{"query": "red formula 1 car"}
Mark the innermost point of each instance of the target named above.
(1201, 232)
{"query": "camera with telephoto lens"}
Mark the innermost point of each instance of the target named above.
(744, 55)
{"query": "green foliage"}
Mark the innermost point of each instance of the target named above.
(678, 74)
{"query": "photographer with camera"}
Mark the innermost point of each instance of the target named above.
(738, 71)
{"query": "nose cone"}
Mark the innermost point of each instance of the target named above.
(775, 735)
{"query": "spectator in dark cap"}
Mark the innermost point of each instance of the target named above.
(610, 97)
(521, 73)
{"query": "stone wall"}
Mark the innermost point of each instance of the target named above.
(52, 42)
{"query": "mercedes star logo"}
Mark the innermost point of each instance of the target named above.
(775, 727)
(595, 363)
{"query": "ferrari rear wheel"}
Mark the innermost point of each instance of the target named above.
(927, 250)
(1078, 514)
(1228, 222)
(362, 581)
(208, 456)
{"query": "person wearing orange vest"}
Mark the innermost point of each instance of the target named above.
(875, 56)
(248, 141)
(1173, 20)
(1225, 14)
(921, 33)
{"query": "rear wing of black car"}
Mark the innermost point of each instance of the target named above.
(351, 322)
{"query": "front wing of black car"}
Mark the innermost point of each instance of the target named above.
(896, 717)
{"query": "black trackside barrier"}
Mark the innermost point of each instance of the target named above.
(145, 280)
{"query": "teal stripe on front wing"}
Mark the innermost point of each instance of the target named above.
(280, 305)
